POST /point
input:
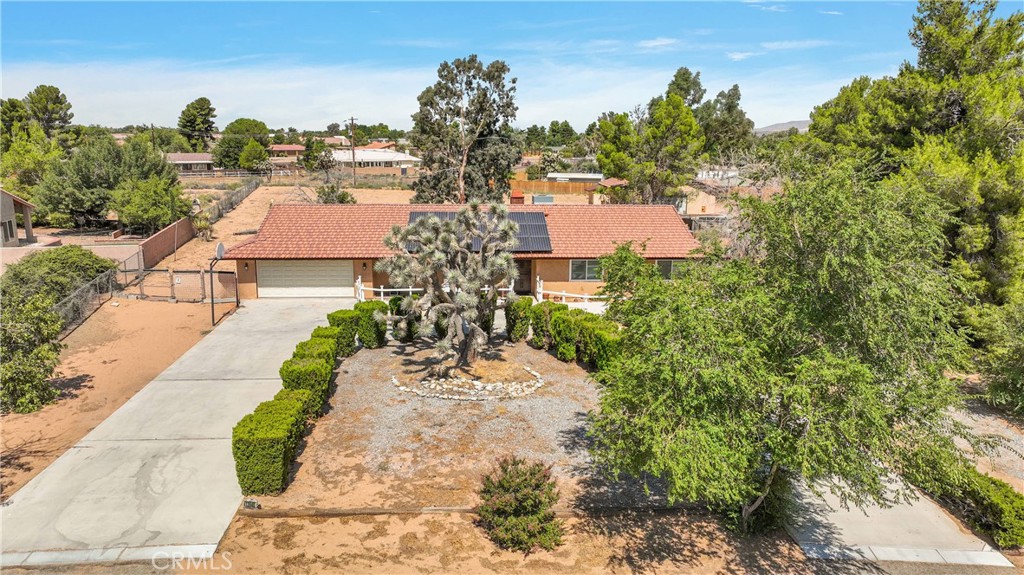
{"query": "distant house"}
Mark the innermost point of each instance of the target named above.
(10, 207)
(378, 145)
(120, 138)
(334, 141)
(330, 250)
(378, 161)
(286, 153)
(191, 162)
(574, 177)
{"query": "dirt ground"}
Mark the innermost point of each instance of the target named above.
(249, 214)
(109, 358)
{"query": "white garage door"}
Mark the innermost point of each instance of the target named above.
(305, 278)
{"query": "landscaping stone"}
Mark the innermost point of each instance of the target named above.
(466, 389)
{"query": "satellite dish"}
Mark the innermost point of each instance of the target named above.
(220, 250)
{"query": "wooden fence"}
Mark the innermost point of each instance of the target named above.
(543, 187)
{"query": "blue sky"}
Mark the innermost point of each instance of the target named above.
(311, 63)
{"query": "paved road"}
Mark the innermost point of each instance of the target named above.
(918, 532)
(157, 476)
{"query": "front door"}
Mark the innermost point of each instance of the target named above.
(524, 283)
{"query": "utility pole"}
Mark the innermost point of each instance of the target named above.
(352, 146)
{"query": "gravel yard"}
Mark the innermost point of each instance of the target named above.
(380, 446)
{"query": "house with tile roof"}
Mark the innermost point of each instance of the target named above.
(310, 250)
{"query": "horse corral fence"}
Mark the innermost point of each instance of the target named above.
(229, 200)
(187, 286)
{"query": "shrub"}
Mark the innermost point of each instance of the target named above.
(540, 322)
(311, 404)
(319, 348)
(347, 322)
(516, 510)
(441, 326)
(565, 333)
(395, 305)
(517, 319)
(1004, 366)
(372, 331)
(600, 341)
(55, 273)
(487, 323)
(307, 373)
(997, 510)
(263, 444)
(326, 332)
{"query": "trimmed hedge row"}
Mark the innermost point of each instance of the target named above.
(997, 510)
(584, 336)
(309, 400)
(517, 319)
(540, 322)
(264, 442)
(346, 321)
(372, 332)
(310, 373)
(318, 348)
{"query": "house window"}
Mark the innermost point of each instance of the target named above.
(668, 268)
(8, 236)
(584, 270)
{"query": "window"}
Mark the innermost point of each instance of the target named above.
(668, 268)
(584, 270)
(8, 236)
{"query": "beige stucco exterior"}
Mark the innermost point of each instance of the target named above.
(10, 207)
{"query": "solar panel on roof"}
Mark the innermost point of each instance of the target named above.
(531, 237)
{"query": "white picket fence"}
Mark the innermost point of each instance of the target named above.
(540, 292)
(385, 293)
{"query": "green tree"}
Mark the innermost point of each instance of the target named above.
(463, 129)
(535, 137)
(659, 157)
(196, 123)
(13, 115)
(333, 129)
(742, 375)
(167, 140)
(29, 156)
(453, 273)
(1004, 366)
(149, 205)
(252, 154)
(687, 85)
(50, 107)
(29, 352)
(234, 139)
(727, 130)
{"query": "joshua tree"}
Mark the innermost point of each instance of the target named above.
(459, 262)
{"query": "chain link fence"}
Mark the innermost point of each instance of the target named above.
(187, 285)
(78, 306)
(229, 200)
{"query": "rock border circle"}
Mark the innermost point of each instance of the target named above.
(460, 388)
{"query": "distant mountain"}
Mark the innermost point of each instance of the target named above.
(800, 125)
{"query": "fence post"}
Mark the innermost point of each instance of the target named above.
(238, 301)
(170, 280)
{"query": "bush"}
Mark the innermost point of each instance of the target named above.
(540, 322)
(487, 323)
(1004, 366)
(326, 332)
(565, 333)
(395, 305)
(372, 332)
(307, 373)
(309, 401)
(263, 444)
(347, 322)
(517, 319)
(516, 510)
(600, 341)
(54, 273)
(441, 326)
(997, 510)
(319, 348)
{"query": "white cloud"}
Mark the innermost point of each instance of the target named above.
(770, 8)
(795, 44)
(656, 43)
(831, 12)
(310, 97)
(740, 56)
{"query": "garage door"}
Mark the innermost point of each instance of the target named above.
(305, 278)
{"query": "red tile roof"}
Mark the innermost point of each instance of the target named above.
(377, 146)
(309, 231)
(287, 148)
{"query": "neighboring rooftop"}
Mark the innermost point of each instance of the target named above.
(310, 231)
(287, 148)
(189, 158)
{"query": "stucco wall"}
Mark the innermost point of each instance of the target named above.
(555, 274)
(246, 278)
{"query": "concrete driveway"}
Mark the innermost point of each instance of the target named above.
(157, 477)
(916, 532)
